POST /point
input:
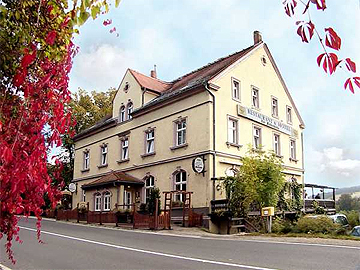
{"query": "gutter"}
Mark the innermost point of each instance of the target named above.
(214, 133)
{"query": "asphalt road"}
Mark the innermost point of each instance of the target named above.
(71, 246)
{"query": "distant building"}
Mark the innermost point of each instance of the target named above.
(158, 128)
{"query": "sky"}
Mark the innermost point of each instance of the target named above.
(180, 36)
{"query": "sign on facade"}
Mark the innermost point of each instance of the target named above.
(266, 120)
(198, 165)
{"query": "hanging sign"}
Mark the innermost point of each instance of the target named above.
(198, 165)
(72, 187)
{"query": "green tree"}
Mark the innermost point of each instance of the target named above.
(346, 203)
(151, 204)
(258, 182)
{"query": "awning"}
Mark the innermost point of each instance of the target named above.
(114, 178)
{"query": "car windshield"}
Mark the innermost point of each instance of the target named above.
(342, 220)
(356, 231)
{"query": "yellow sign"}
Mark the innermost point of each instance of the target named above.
(267, 211)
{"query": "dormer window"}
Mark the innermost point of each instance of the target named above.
(122, 114)
(129, 110)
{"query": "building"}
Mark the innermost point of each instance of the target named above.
(184, 134)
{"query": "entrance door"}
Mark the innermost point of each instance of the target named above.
(127, 199)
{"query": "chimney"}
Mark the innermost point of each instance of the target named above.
(153, 72)
(257, 37)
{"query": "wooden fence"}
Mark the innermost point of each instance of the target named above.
(153, 222)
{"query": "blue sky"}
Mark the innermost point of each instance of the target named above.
(180, 36)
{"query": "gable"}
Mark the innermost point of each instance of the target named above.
(258, 69)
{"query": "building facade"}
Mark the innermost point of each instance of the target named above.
(188, 133)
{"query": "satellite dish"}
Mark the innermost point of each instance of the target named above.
(72, 187)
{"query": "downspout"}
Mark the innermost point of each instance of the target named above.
(303, 171)
(214, 122)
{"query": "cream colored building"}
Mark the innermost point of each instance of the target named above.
(158, 128)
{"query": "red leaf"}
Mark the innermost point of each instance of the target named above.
(351, 66)
(330, 62)
(20, 77)
(28, 59)
(107, 22)
(357, 81)
(113, 30)
(347, 84)
(305, 30)
(289, 6)
(1, 124)
(332, 40)
(320, 4)
(50, 39)
(7, 154)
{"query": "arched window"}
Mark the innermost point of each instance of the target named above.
(129, 110)
(107, 197)
(180, 184)
(122, 114)
(149, 183)
(97, 202)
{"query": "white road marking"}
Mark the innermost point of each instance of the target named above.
(217, 238)
(3, 267)
(150, 252)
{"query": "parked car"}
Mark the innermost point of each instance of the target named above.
(340, 219)
(355, 231)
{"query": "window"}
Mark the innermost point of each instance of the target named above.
(289, 114)
(104, 150)
(274, 107)
(86, 160)
(129, 110)
(257, 137)
(277, 144)
(83, 195)
(180, 184)
(97, 202)
(181, 132)
(107, 201)
(150, 136)
(125, 149)
(293, 149)
(235, 89)
(149, 183)
(255, 97)
(122, 114)
(233, 131)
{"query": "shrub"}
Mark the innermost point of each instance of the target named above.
(319, 224)
(353, 217)
(281, 225)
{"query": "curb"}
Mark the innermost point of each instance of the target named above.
(3, 267)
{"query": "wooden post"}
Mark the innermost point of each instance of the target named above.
(77, 208)
(100, 216)
(87, 213)
(156, 213)
(116, 214)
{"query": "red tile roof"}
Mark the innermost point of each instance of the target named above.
(149, 82)
(114, 177)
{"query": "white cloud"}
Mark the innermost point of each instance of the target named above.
(101, 67)
(333, 153)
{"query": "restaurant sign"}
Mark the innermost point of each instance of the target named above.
(266, 120)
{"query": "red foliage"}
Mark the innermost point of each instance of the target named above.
(107, 22)
(349, 83)
(329, 62)
(50, 39)
(305, 30)
(289, 6)
(332, 40)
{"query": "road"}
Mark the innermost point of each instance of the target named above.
(72, 246)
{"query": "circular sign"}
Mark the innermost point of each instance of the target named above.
(198, 165)
(72, 187)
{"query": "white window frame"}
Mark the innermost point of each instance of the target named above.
(124, 155)
(181, 183)
(122, 115)
(86, 164)
(292, 149)
(181, 130)
(107, 200)
(233, 132)
(235, 92)
(277, 144)
(289, 115)
(257, 136)
(274, 107)
(149, 183)
(97, 201)
(127, 199)
(150, 141)
(103, 154)
(130, 107)
(255, 97)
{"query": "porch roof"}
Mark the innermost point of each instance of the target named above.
(113, 178)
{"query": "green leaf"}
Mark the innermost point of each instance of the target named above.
(95, 11)
(117, 2)
(83, 17)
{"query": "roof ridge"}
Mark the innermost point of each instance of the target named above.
(211, 63)
(161, 81)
